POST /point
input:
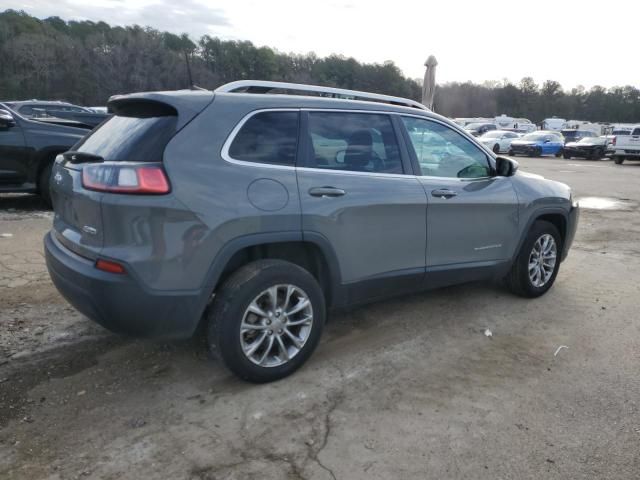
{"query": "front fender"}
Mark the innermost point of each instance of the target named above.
(536, 215)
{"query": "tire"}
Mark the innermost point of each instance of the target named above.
(618, 160)
(248, 285)
(519, 280)
(558, 153)
(43, 184)
(566, 156)
(496, 148)
(596, 155)
(512, 153)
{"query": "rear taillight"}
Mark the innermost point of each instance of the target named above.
(613, 141)
(124, 178)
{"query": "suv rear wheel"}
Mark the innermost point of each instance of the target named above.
(618, 160)
(266, 320)
(537, 264)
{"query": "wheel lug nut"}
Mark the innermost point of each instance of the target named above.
(268, 322)
(279, 332)
(269, 332)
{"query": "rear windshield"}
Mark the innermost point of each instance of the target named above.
(131, 139)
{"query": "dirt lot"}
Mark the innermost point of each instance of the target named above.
(410, 388)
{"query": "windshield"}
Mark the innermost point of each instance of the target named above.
(492, 135)
(474, 126)
(591, 140)
(534, 137)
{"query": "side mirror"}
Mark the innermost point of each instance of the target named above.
(6, 119)
(506, 167)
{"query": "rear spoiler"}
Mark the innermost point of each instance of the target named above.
(185, 104)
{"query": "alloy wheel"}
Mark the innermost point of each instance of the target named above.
(276, 325)
(542, 260)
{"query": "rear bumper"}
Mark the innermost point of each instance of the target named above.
(118, 302)
(572, 226)
(627, 153)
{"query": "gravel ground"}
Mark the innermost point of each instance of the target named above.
(409, 388)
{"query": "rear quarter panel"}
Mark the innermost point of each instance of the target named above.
(215, 190)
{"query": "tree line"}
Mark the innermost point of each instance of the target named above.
(86, 62)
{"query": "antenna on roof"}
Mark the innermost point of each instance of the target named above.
(189, 77)
(192, 86)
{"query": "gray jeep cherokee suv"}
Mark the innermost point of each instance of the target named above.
(257, 209)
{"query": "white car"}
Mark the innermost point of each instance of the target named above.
(498, 140)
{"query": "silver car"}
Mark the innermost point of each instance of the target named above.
(498, 141)
(255, 214)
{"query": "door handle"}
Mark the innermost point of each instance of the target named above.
(326, 192)
(443, 193)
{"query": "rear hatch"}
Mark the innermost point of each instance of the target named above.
(135, 135)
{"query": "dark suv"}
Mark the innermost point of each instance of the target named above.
(258, 213)
(27, 150)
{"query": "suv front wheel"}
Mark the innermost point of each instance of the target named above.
(535, 269)
(266, 320)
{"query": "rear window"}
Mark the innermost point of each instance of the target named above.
(267, 137)
(133, 139)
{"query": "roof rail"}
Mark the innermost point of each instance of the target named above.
(261, 86)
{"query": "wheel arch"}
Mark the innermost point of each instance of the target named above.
(556, 216)
(312, 252)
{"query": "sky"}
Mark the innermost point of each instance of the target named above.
(572, 42)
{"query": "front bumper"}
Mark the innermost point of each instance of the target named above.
(119, 302)
(572, 226)
(578, 152)
(526, 150)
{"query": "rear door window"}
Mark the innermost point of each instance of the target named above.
(267, 137)
(359, 142)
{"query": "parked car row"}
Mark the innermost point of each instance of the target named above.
(568, 143)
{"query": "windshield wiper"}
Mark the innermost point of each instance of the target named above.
(75, 156)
